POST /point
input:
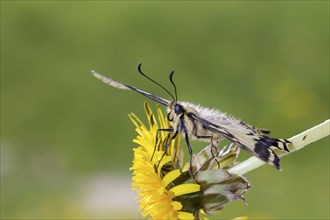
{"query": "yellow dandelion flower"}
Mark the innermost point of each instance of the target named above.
(154, 179)
(165, 187)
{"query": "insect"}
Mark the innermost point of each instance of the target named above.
(195, 122)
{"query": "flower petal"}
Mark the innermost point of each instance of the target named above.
(164, 161)
(176, 205)
(169, 177)
(185, 215)
(185, 189)
(161, 118)
(136, 121)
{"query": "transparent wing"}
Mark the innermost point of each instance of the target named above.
(120, 85)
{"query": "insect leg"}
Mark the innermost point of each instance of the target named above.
(186, 137)
(213, 146)
(169, 130)
(167, 141)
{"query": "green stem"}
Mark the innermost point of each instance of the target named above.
(298, 141)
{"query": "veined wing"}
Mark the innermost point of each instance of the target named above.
(254, 142)
(120, 85)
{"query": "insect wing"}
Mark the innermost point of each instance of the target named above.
(255, 143)
(120, 85)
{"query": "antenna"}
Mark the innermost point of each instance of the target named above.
(140, 71)
(171, 79)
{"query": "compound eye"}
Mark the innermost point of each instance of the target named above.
(178, 109)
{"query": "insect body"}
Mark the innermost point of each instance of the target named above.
(199, 123)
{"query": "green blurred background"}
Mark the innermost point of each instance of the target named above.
(66, 140)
